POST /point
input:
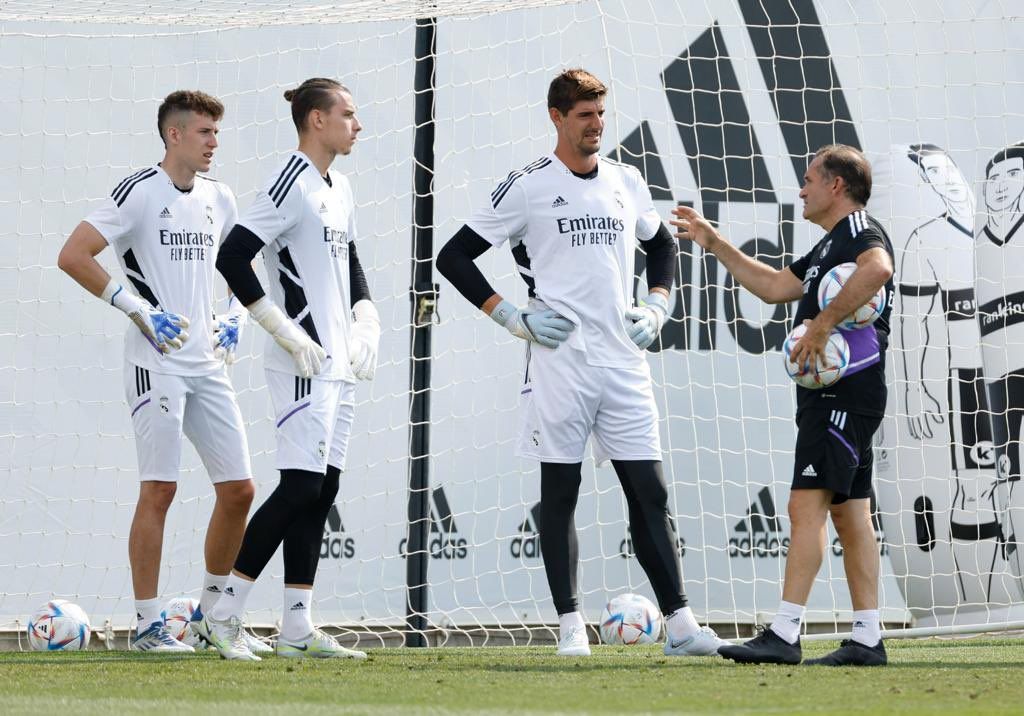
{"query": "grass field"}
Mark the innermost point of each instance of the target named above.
(924, 676)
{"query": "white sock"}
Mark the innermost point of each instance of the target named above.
(867, 627)
(569, 621)
(232, 599)
(213, 585)
(787, 621)
(296, 621)
(147, 613)
(681, 624)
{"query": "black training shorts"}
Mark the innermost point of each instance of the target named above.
(833, 452)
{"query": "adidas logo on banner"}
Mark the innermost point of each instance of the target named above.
(559, 201)
(335, 544)
(626, 545)
(527, 544)
(166, 214)
(443, 541)
(759, 533)
(809, 471)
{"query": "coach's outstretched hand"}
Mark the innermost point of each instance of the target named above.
(647, 318)
(692, 226)
(308, 356)
(545, 326)
(363, 340)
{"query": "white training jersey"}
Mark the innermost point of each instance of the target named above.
(166, 241)
(574, 241)
(939, 260)
(307, 224)
(999, 288)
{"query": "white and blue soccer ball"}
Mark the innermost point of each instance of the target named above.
(59, 625)
(176, 614)
(630, 619)
(825, 372)
(832, 283)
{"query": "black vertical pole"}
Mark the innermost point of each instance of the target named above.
(424, 297)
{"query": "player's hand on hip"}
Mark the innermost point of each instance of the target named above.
(647, 320)
(543, 326)
(306, 353)
(363, 340)
(165, 330)
(227, 329)
(692, 226)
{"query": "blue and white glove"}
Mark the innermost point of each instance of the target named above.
(164, 330)
(647, 320)
(227, 329)
(363, 340)
(545, 326)
(306, 353)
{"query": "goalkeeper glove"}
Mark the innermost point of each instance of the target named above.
(545, 327)
(647, 319)
(164, 330)
(363, 339)
(308, 356)
(227, 329)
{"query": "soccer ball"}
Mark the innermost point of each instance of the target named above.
(833, 282)
(176, 615)
(59, 625)
(837, 359)
(630, 619)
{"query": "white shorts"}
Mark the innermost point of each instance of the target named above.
(564, 401)
(313, 418)
(203, 408)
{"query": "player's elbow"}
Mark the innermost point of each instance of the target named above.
(447, 259)
(71, 259)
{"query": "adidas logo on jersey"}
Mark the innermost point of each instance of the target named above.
(443, 541)
(809, 471)
(559, 201)
(323, 208)
(758, 534)
(526, 545)
(166, 214)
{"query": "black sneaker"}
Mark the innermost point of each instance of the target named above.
(853, 653)
(765, 648)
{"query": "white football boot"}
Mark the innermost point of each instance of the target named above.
(703, 643)
(156, 638)
(226, 637)
(573, 641)
(318, 645)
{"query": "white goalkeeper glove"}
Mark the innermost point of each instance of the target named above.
(544, 326)
(164, 330)
(363, 340)
(647, 319)
(227, 329)
(308, 356)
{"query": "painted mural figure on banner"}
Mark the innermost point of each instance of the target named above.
(832, 470)
(1000, 294)
(573, 221)
(945, 405)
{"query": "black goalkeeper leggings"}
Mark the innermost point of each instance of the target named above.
(653, 538)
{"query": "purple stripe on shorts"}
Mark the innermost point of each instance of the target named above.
(839, 436)
(139, 406)
(304, 405)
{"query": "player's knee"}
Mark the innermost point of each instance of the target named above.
(300, 488)
(237, 495)
(156, 495)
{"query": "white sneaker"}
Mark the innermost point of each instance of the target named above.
(157, 638)
(573, 642)
(255, 644)
(318, 645)
(703, 643)
(227, 638)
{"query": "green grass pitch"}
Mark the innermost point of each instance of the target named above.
(924, 676)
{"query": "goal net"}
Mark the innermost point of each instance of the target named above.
(719, 104)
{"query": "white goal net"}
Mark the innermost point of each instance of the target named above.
(718, 102)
